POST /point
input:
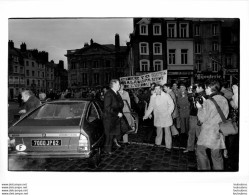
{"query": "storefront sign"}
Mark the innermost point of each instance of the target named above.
(210, 76)
(145, 80)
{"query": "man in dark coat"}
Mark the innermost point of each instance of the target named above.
(113, 106)
(30, 101)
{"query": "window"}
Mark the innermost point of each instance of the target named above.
(144, 65)
(144, 48)
(84, 64)
(27, 73)
(15, 69)
(84, 78)
(95, 64)
(33, 64)
(107, 63)
(184, 56)
(157, 29)
(198, 65)
(92, 114)
(22, 80)
(38, 73)
(172, 56)
(33, 73)
(52, 76)
(197, 30)
(197, 48)
(157, 47)
(16, 80)
(214, 66)
(96, 78)
(11, 80)
(107, 77)
(27, 82)
(16, 59)
(27, 63)
(229, 61)
(39, 83)
(158, 65)
(21, 70)
(183, 30)
(215, 46)
(143, 29)
(43, 74)
(214, 29)
(171, 30)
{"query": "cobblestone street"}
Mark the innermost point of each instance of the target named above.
(139, 155)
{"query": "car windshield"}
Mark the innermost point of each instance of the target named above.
(58, 113)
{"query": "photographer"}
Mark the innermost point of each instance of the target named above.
(210, 136)
(196, 93)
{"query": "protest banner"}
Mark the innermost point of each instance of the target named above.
(145, 80)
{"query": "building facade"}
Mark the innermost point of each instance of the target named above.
(189, 48)
(30, 69)
(160, 44)
(95, 65)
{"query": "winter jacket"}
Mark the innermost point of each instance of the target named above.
(210, 135)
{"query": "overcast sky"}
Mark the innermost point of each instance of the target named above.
(56, 36)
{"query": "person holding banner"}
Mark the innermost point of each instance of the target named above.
(162, 105)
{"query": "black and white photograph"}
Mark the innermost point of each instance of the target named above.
(118, 98)
(109, 104)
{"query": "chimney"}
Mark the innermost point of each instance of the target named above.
(91, 41)
(86, 44)
(117, 45)
(23, 47)
(11, 44)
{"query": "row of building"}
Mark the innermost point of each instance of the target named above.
(189, 48)
(31, 69)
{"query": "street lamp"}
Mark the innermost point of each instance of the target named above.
(218, 62)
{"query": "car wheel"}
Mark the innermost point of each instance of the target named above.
(94, 161)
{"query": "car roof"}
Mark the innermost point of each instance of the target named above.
(70, 100)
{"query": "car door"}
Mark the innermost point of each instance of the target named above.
(93, 124)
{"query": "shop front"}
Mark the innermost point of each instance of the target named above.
(180, 76)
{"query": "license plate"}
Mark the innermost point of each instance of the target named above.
(46, 142)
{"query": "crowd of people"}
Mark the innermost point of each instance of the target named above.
(188, 111)
(174, 111)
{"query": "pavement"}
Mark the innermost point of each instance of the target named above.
(139, 155)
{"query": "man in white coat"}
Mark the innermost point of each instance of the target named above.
(162, 105)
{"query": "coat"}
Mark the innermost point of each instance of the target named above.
(113, 104)
(32, 103)
(210, 135)
(162, 106)
(175, 113)
(125, 96)
(183, 105)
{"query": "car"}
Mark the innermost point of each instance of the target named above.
(61, 129)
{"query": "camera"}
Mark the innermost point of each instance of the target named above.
(199, 99)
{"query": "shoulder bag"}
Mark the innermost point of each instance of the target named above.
(227, 127)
